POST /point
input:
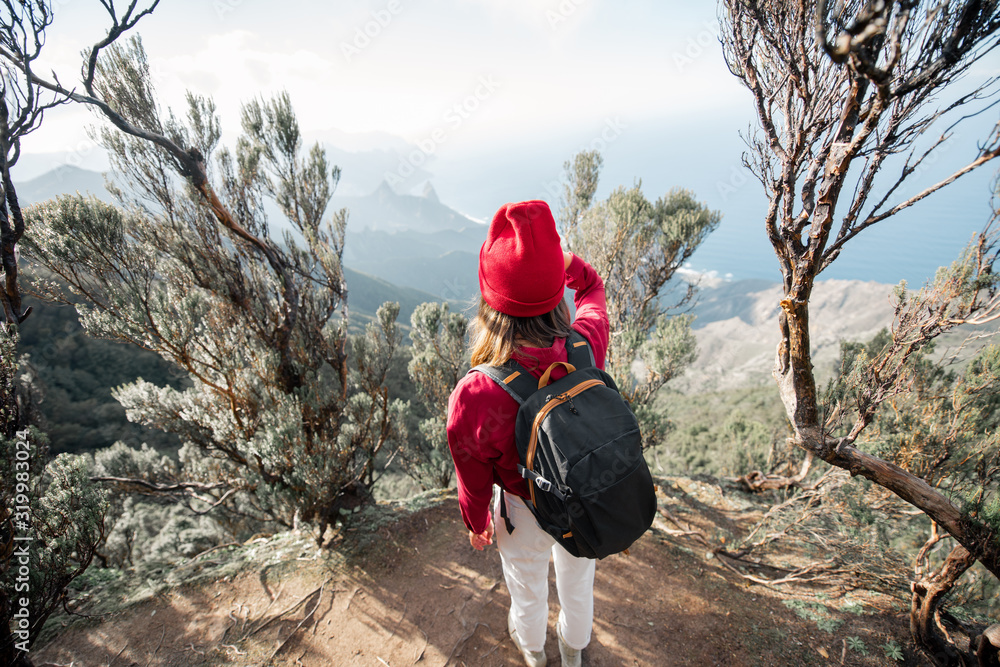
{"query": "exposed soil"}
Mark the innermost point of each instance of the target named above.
(408, 590)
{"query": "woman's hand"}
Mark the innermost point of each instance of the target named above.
(567, 258)
(483, 539)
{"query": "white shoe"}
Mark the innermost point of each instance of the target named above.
(571, 657)
(531, 658)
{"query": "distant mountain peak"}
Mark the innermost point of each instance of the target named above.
(430, 193)
(70, 169)
(63, 179)
(385, 190)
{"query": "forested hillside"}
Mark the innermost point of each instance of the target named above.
(75, 372)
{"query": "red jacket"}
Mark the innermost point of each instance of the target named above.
(481, 414)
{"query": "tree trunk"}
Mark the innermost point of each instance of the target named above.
(977, 539)
(988, 646)
(925, 623)
(757, 481)
(797, 387)
(793, 369)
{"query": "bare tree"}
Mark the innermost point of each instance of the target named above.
(850, 102)
(939, 423)
(54, 502)
(22, 105)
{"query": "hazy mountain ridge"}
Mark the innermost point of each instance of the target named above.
(736, 327)
(413, 248)
(413, 241)
(65, 179)
(385, 210)
(365, 293)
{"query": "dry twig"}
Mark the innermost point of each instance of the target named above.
(163, 633)
(302, 622)
(292, 608)
(420, 653)
(118, 654)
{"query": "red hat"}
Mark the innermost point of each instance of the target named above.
(521, 268)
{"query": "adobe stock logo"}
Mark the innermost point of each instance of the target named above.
(454, 117)
(562, 13)
(223, 7)
(365, 34)
(698, 45)
(613, 129)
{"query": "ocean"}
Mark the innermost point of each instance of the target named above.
(910, 246)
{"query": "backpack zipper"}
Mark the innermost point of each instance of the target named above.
(551, 404)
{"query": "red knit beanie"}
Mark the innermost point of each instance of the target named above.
(521, 268)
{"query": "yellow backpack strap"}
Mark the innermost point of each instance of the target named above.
(547, 375)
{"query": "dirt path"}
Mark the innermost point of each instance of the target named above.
(414, 593)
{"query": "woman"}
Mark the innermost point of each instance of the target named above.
(522, 274)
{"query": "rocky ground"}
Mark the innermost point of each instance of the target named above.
(401, 586)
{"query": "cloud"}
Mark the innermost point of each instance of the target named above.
(399, 66)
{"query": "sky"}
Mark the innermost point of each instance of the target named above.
(487, 70)
(497, 94)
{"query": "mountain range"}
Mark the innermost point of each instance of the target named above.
(413, 248)
(398, 247)
(736, 328)
(701, 154)
(413, 240)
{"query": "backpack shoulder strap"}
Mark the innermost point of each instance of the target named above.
(578, 350)
(517, 381)
(512, 378)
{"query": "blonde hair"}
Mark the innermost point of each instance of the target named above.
(496, 336)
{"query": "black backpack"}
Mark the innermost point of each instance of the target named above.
(581, 452)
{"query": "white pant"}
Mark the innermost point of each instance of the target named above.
(525, 557)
